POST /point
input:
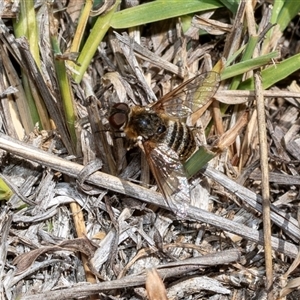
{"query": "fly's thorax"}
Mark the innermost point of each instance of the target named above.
(160, 128)
(179, 137)
(144, 122)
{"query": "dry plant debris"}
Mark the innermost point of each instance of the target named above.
(70, 231)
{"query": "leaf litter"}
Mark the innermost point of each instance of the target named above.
(68, 232)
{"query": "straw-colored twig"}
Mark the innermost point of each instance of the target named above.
(263, 147)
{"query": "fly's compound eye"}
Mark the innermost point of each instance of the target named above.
(119, 115)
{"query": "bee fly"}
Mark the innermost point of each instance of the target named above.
(166, 140)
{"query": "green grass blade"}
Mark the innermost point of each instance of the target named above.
(274, 73)
(289, 10)
(99, 30)
(159, 10)
(199, 159)
(277, 7)
(246, 56)
(247, 65)
(65, 91)
(26, 25)
(81, 27)
(282, 14)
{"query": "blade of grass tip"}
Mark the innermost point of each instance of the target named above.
(274, 73)
(95, 37)
(159, 10)
(263, 149)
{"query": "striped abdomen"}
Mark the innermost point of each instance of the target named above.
(179, 138)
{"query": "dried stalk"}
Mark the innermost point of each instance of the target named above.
(263, 149)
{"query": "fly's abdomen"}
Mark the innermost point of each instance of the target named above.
(179, 138)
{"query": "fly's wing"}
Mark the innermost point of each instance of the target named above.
(170, 177)
(189, 96)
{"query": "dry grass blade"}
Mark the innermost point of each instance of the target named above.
(239, 97)
(81, 233)
(293, 285)
(149, 56)
(6, 219)
(263, 146)
(154, 286)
